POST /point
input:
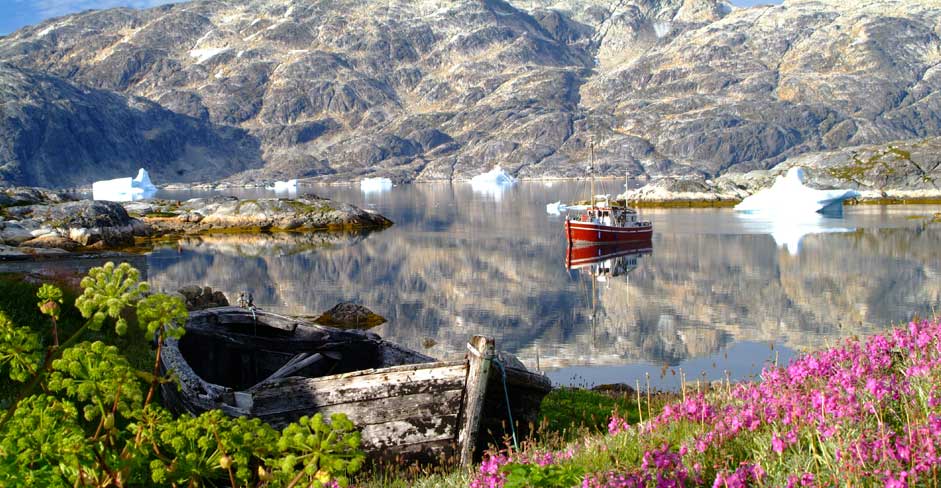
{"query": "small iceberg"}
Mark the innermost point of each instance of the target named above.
(788, 195)
(284, 187)
(492, 183)
(375, 185)
(556, 208)
(125, 189)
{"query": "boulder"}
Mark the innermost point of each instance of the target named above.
(52, 241)
(199, 298)
(14, 233)
(350, 315)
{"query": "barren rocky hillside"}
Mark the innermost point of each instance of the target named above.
(438, 89)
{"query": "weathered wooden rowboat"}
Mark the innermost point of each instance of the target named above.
(406, 404)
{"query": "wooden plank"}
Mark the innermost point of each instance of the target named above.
(441, 452)
(410, 431)
(296, 364)
(377, 411)
(478, 372)
(330, 390)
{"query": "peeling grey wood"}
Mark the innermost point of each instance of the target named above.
(412, 408)
(478, 374)
(296, 364)
(332, 390)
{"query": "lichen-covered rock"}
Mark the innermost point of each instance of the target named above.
(70, 225)
(266, 214)
(350, 315)
(52, 241)
(200, 298)
(684, 191)
(85, 222)
(10, 197)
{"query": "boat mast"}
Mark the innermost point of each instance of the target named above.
(591, 169)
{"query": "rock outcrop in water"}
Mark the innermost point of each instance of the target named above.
(306, 213)
(418, 90)
(38, 219)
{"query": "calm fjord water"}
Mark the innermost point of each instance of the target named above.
(718, 291)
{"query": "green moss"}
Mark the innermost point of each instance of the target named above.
(307, 208)
(900, 153)
(372, 320)
(162, 215)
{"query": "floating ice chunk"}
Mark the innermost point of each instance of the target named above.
(375, 185)
(788, 196)
(125, 189)
(556, 208)
(492, 183)
(288, 187)
(495, 176)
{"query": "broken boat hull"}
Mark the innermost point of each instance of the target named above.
(407, 405)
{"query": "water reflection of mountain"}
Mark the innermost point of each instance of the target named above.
(493, 274)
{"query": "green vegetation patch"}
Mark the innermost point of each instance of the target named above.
(571, 411)
(18, 302)
(161, 215)
(308, 208)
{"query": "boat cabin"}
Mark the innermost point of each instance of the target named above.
(610, 216)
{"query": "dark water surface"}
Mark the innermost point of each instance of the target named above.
(719, 292)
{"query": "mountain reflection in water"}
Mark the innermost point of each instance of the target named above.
(459, 263)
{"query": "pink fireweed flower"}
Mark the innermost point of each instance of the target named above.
(777, 444)
(617, 425)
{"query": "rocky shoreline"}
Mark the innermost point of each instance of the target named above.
(36, 223)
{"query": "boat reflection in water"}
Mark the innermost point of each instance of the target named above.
(607, 260)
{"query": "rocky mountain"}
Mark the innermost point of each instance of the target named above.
(438, 89)
(56, 133)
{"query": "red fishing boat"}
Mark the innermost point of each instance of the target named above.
(603, 221)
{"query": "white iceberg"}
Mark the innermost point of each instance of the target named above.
(125, 189)
(289, 187)
(789, 196)
(492, 183)
(556, 208)
(375, 185)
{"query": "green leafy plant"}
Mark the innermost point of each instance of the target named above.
(20, 350)
(82, 418)
(520, 475)
(316, 451)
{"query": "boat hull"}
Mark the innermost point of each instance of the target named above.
(407, 406)
(589, 232)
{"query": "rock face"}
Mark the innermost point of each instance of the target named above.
(57, 133)
(229, 213)
(428, 89)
